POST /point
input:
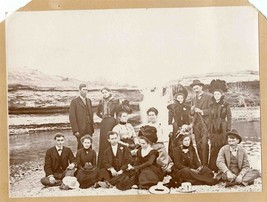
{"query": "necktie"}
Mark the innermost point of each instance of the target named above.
(59, 152)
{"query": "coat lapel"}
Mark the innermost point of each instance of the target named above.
(120, 154)
(81, 102)
(89, 107)
(239, 158)
(227, 156)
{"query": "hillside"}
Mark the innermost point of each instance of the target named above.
(31, 79)
(229, 77)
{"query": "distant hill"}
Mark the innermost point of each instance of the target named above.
(229, 77)
(27, 78)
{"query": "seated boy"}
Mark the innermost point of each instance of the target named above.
(232, 162)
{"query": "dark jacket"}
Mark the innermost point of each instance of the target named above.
(114, 106)
(220, 112)
(204, 104)
(179, 113)
(180, 158)
(52, 160)
(123, 155)
(82, 157)
(79, 120)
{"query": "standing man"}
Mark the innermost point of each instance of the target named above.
(200, 110)
(58, 160)
(81, 115)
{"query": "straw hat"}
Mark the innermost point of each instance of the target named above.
(159, 189)
(71, 182)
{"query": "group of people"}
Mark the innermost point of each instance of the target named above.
(200, 144)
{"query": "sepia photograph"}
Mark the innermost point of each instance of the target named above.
(133, 101)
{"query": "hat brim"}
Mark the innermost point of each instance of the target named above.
(159, 190)
(234, 134)
(89, 170)
(76, 186)
(68, 179)
(196, 84)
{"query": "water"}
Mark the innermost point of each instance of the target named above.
(32, 147)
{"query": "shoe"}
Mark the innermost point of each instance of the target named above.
(230, 184)
(171, 184)
(102, 184)
(96, 185)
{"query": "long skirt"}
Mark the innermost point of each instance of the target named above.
(204, 177)
(106, 125)
(87, 178)
(149, 176)
(217, 140)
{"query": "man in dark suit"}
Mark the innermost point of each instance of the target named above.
(58, 160)
(116, 159)
(81, 115)
(200, 110)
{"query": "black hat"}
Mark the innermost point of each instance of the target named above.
(234, 133)
(88, 167)
(149, 132)
(195, 83)
(217, 85)
(152, 109)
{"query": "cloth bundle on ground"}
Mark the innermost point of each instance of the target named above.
(124, 181)
(88, 175)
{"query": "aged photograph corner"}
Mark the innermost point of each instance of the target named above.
(172, 89)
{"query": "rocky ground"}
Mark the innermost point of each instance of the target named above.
(25, 181)
(30, 186)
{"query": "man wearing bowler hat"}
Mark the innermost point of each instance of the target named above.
(200, 111)
(232, 162)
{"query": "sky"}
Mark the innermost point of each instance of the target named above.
(135, 46)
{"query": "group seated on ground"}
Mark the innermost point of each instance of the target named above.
(145, 169)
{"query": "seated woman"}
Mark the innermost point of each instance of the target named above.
(125, 131)
(87, 172)
(187, 167)
(148, 172)
(161, 143)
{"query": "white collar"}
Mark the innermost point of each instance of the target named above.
(58, 148)
(83, 99)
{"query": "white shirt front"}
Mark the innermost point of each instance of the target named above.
(59, 150)
(114, 149)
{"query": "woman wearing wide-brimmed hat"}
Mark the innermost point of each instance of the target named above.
(148, 172)
(178, 115)
(107, 109)
(220, 118)
(178, 110)
(87, 172)
(187, 167)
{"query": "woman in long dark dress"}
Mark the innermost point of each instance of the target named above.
(87, 172)
(178, 116)
(187, 167)
(108, 108)
(220, 118)
(148, 172)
